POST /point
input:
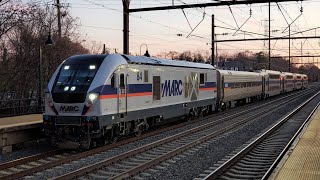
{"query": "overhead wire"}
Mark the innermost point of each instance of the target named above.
(147, 20)
(131, 31)
(300, 30)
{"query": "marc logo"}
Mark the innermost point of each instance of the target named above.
(172, 88)
(69, 108)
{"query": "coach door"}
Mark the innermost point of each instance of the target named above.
(219, 86)
(282, 83)
(263, 84)
(122, 96)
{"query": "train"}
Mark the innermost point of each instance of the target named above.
(94, 99)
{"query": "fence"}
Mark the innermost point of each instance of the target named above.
(15, 107)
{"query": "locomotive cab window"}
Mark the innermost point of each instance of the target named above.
(146, 79)
(201, 78)
(113, 81)
(122, 85)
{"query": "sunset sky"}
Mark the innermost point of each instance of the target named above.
(101, 21)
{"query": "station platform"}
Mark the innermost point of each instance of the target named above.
(17, 130)
(8, 122)
(303, 160)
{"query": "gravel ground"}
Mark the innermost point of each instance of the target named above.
(42, 146)
(31, 149)
(220, 148)
(191, 166)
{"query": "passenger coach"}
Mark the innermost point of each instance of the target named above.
(272, 82)
(238, 87)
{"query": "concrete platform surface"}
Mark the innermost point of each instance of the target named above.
(8, 122)
(304, 161)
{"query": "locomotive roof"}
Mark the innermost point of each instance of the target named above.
(137, 60)
(165, 62)
(85, 57)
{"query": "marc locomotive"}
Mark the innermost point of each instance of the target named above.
(97, 98)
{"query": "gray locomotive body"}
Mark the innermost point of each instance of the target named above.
(96, 98)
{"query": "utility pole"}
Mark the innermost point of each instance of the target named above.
(313, 62)
(59, 17)
(301, 52)
(216, 51)
(289, 49)
(269, 36)
(104, 49)
(125, 4)
(212, 42)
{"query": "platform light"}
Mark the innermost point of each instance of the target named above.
(66, 67)
(92, 67)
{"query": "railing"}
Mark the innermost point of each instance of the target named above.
(15, 107)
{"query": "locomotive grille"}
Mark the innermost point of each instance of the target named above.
(69, 97)
(68, 121)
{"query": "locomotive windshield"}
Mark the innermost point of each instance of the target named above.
(75, 78)
(76, 74)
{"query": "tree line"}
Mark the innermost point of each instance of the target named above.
(25, 26)
(248, 61)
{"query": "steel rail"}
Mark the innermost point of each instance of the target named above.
(76, 156)
(220, 170)
(142, 149)
(20, 161)
(108, 147)
(285, 150)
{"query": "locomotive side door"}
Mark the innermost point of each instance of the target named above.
(122, 95)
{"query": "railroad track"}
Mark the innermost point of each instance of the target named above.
(27, 166)
(133, 162)
(259, 158)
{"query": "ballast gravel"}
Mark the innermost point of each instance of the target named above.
(194, 165)
(190, 166)
(32, 149)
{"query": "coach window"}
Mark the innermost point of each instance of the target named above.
(113, 81)
(122, 81)
(201, 78)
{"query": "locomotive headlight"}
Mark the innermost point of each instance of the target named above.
(91, 98)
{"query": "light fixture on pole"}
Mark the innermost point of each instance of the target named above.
(147, 52)
(49, 41)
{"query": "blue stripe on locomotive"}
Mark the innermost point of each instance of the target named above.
(132, 88)
(208, 85)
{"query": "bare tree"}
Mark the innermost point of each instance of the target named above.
(23, 39)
